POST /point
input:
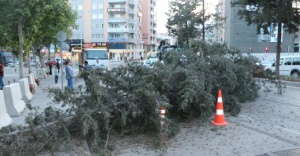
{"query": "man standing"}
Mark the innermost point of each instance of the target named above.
(86, 74)
(69, 74)
(1, 76)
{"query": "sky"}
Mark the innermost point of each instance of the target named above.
(163, 7)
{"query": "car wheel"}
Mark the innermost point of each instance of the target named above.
(295, 74)
(268, 72)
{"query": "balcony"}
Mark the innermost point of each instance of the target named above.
(117, 30)
(131, 2)
(117, 39)
(120, 30)
(117, 1)
(132, 21)
(116, 20)
(131, 11)
(122, 39)
(116, 10)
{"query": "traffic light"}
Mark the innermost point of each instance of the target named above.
(266, 49)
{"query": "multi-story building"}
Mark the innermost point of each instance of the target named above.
(245, 38)
(118, 22)
(149, 27)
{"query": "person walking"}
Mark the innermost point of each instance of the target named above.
(56, 74)
(86, 74)
(57, 66)
(1, 76)
(69, 74)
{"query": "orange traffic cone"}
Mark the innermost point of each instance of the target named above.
(219, 117)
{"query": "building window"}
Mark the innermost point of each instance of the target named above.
(79, 17)
(96, 25)
(77, 36)
(77, 7)
(76, 27)
(97, 16)
(97, 35)
(97, 6)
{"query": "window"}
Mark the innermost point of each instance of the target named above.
(79, 17)
(97, 16)
(76, 27)
(288, 61)
(96, 26)
(97, 35)
(77, 36)
(296, 61)
(97, 6)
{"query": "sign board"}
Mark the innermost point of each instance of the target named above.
(75, 42)
(61, 36)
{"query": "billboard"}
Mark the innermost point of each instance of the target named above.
(272, 36)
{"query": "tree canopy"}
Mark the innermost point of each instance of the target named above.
(31, 24)
(281, 13)
(186, 20)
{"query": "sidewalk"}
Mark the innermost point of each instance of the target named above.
(41, 99)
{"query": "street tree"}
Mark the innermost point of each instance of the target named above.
(25, 23)
(181, 20)
(283, 14)
(57, 16)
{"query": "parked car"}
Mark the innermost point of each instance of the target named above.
(288, 66)
(148, 63)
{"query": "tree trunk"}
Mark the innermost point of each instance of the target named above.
(278, 48)
(20, 35)
(41, 58)
(203, 17)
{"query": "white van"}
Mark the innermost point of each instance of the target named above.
(288, 66)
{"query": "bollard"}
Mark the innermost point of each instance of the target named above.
(8, 82)
(14, 80)
(162, 124)
(15, 70)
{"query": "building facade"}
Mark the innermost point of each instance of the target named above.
(118, 22)
(240, 36)
(149, 28)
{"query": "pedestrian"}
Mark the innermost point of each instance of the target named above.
(56, 74)
(85, 74)
(50, 67)
(57, 66)
(69, 74)
(1, 76)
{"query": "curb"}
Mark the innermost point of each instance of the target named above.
(284, 82)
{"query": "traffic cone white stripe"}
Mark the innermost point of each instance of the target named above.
(220, 99)
(219, 112)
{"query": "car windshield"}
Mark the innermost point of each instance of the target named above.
(153, 55)
(96, 54)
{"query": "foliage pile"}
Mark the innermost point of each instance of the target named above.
(127, 100)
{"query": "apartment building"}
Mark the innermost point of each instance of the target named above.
(118, 22)
(149, 28)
